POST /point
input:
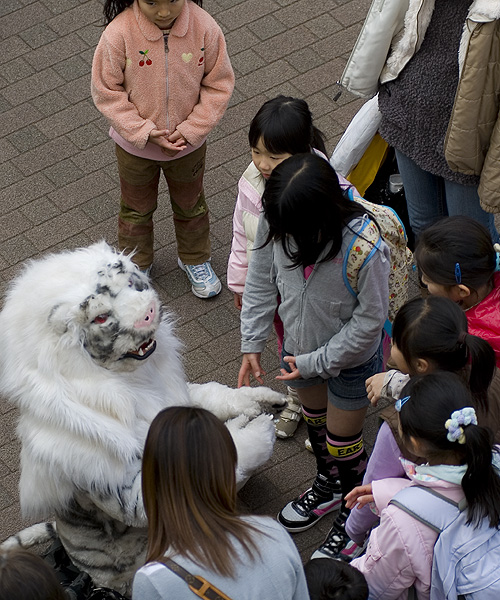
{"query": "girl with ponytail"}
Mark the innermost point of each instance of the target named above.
(429, 334)
(438, 421)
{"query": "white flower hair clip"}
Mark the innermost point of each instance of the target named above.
(464, 416)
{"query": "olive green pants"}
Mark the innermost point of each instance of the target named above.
(139, 180)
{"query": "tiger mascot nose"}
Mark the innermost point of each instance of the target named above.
(147, 319)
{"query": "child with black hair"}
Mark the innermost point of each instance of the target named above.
(429, 334)
(161, 76)
(438, 422)
(332, 339)
(282, 127)
(457, 259)
(334, 580)
(25, 576)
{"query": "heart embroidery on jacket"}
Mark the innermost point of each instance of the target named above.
(187, 57)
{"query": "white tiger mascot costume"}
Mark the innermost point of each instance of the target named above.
(90, 358)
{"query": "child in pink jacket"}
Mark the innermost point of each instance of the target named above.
(282, 127)
(438, 422)
(162, 77)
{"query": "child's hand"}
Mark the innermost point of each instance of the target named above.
(238, 300)
(360, 495)
(250, 363)
(161, 137)
(285, 375)
(374, 387)
(177, 139)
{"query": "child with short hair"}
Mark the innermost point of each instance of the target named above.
(438, 422)
(162, 77)
(25, 576)
(282, 127)
(334, 580)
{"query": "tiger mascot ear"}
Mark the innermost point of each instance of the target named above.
(60, 318)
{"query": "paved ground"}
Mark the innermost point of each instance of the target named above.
(59, 183)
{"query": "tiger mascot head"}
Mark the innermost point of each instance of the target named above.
(91, 299)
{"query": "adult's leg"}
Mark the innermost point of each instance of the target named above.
(424, 193)
(464, 200)
(185, 184)
(139, 179)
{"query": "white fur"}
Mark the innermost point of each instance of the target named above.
(85, 410)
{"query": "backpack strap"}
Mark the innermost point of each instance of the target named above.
(197, 584)
(428, 506)
(362, 247)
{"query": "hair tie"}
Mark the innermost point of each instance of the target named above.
(458, 273)
(461, 337)
(496, 247)
(464, 416)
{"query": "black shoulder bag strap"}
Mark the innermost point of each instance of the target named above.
(197, 584)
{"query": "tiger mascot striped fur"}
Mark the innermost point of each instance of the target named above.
(90, 357)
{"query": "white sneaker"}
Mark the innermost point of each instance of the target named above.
(204, 281)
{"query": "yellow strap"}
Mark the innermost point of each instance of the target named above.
(206, 587)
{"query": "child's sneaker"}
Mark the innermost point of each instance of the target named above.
(289, 419)
(338, 545)
(302, 513)
(204, 282)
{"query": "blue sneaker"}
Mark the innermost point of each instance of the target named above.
(204, 282)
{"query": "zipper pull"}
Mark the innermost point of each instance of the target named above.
(339, 93)
(165, 41)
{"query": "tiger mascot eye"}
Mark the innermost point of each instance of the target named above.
(90, 357)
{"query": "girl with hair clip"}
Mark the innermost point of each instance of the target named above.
(332, 340)
(458, 461)
(281, 128)
(26, 576)
(457, 259)
(189, 491)
(161, 76)
(429, 334)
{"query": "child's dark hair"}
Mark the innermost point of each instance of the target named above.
(432, 400)
(303, 201)
(435, 329)
(456, 240)
(329, 579)
(26, 576)
(115, 7)
(286, 127)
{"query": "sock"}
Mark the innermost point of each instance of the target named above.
(350, 457)
(316, 428)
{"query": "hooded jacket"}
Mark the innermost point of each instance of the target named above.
(400, 550)
(326, 327)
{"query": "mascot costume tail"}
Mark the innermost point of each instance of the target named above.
(91, 358)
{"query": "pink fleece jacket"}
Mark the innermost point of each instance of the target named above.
(185, 89)
(400, 550)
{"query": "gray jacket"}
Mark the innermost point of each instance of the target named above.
(326, 328)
